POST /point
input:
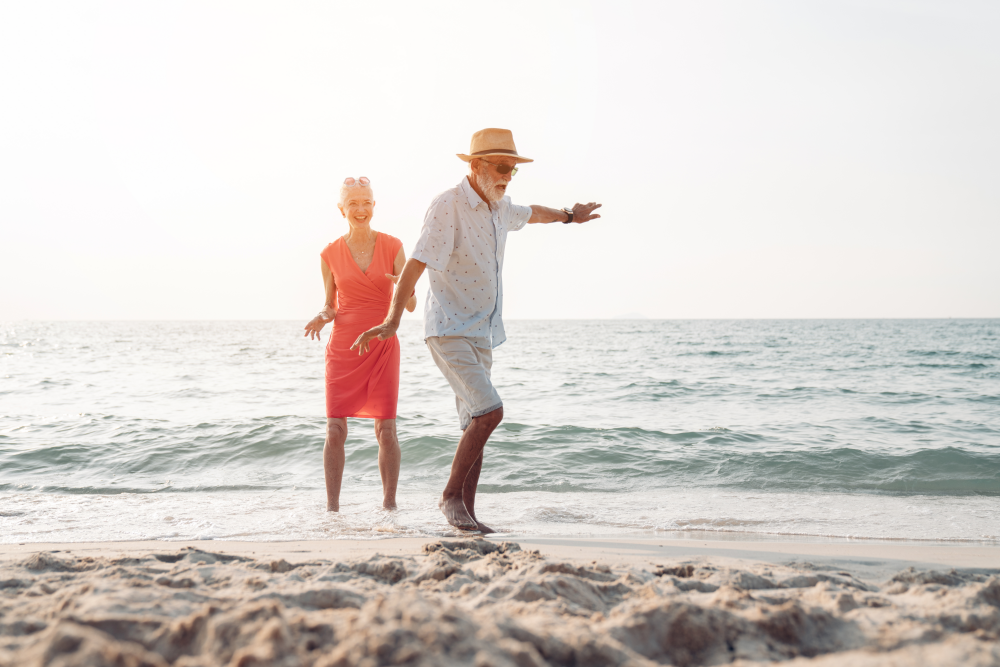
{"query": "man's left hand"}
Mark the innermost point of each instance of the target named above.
(581, 213)
(585, 212)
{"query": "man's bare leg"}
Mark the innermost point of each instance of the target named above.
(388, 460)
(468, 454)
(333, 460)
(469, 495)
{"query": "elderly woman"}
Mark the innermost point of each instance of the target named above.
(359, 272)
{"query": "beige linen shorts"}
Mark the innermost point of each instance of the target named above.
(467, 369)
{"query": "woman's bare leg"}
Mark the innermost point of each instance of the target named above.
(333, 460)
(388, 460)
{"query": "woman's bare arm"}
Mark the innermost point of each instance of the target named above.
(329, 312)
(397, 269)
(330, 306)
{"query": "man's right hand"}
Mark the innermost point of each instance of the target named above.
(404, 285)
(383, 331)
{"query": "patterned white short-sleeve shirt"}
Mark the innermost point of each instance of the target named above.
(462, 243)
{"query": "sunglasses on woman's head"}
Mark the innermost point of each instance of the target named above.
(349, 181)
(502, 168)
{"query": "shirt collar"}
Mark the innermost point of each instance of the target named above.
(474, 199)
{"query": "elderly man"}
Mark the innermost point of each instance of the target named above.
(462, 243)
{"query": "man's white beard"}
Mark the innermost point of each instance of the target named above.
(490, 187)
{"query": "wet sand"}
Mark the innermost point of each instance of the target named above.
(413, 601)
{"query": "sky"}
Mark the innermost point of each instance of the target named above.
(772, 159)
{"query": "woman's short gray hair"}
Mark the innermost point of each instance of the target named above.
(346, 190)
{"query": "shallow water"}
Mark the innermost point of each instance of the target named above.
(176, 430)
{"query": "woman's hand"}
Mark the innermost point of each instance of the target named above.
(412, 302)
(317, 323)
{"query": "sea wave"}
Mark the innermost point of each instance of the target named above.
(881, 429)
(103, 454)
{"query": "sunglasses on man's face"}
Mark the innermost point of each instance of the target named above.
(502, 168)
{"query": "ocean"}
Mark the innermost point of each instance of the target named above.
(743, 429)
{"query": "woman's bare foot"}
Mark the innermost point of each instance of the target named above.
(330, 507)
(389, 505)
(456, 514)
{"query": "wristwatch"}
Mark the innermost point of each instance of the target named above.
(569, 212)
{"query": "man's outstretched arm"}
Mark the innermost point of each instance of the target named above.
(412, 271)
(581, 213)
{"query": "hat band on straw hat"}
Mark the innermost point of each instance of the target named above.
(494, 151)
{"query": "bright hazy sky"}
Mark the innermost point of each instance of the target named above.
(181, 160)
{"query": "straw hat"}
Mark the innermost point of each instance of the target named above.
(493, 141)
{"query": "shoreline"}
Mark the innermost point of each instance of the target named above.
(874, 559)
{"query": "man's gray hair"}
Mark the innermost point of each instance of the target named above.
(472, 169)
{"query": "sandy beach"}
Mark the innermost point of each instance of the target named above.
(416, 601)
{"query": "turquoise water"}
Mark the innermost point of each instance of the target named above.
(863, 429)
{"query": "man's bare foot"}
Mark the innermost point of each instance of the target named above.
(330, 507)
(389, 505)
(454, 510)
(483, 528)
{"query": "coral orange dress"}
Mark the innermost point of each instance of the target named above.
(362, 385)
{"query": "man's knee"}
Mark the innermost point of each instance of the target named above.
(493, 418)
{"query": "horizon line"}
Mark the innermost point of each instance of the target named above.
(540, 319)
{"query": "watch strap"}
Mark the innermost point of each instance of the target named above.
(569, 212)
